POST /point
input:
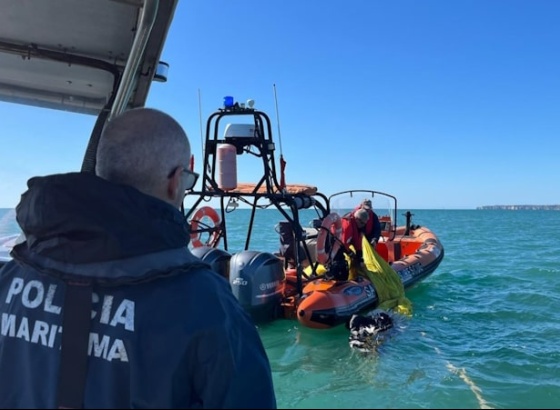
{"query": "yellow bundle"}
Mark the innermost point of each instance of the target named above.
(387, 283)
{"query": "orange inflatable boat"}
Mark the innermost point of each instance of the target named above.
(297, 281)
(412, 256)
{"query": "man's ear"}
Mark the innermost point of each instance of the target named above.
(174, 185)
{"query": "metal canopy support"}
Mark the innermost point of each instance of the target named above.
(147, 19)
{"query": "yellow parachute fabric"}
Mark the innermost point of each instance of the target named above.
(387, 283)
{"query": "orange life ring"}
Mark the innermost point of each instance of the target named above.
(205, 211)
(331, 220)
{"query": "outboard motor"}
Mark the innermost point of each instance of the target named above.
(257, 280)
(217, 258)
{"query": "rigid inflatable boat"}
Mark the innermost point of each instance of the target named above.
(412, 254)
(295, 282)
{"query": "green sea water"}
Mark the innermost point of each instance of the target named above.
(484, 333)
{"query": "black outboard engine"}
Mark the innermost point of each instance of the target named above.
(217, 258)
(257, 280)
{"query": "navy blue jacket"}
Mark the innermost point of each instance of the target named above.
(166, 331)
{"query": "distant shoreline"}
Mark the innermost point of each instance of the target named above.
(522, 207)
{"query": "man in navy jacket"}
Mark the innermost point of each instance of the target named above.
(104, 306)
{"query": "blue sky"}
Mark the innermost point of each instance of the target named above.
(446, 104)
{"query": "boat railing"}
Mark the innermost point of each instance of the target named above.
(259, 144)
(254, 138)
(389, 221)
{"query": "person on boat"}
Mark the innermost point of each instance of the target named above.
(352, 227)
(288, 247)
(104, 305)
(372, 230)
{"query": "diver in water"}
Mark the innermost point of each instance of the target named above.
(366, 330)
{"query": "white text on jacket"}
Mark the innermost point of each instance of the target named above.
(44, 328)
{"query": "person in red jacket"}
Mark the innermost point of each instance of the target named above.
(352, 226)
(372, 229)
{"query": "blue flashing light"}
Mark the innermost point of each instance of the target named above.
(228, 101)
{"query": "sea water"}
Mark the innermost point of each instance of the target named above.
(484, 333)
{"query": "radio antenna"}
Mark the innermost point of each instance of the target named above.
(202, 147)
(277, 118)
(282, 162)
(200, 123)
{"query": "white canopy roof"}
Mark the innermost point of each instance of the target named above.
(70, 54)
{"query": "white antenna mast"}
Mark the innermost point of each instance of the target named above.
(200, 123)
(202, 147)
(277, 118)
(282, 162)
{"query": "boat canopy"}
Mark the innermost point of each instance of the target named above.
(82, 55)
